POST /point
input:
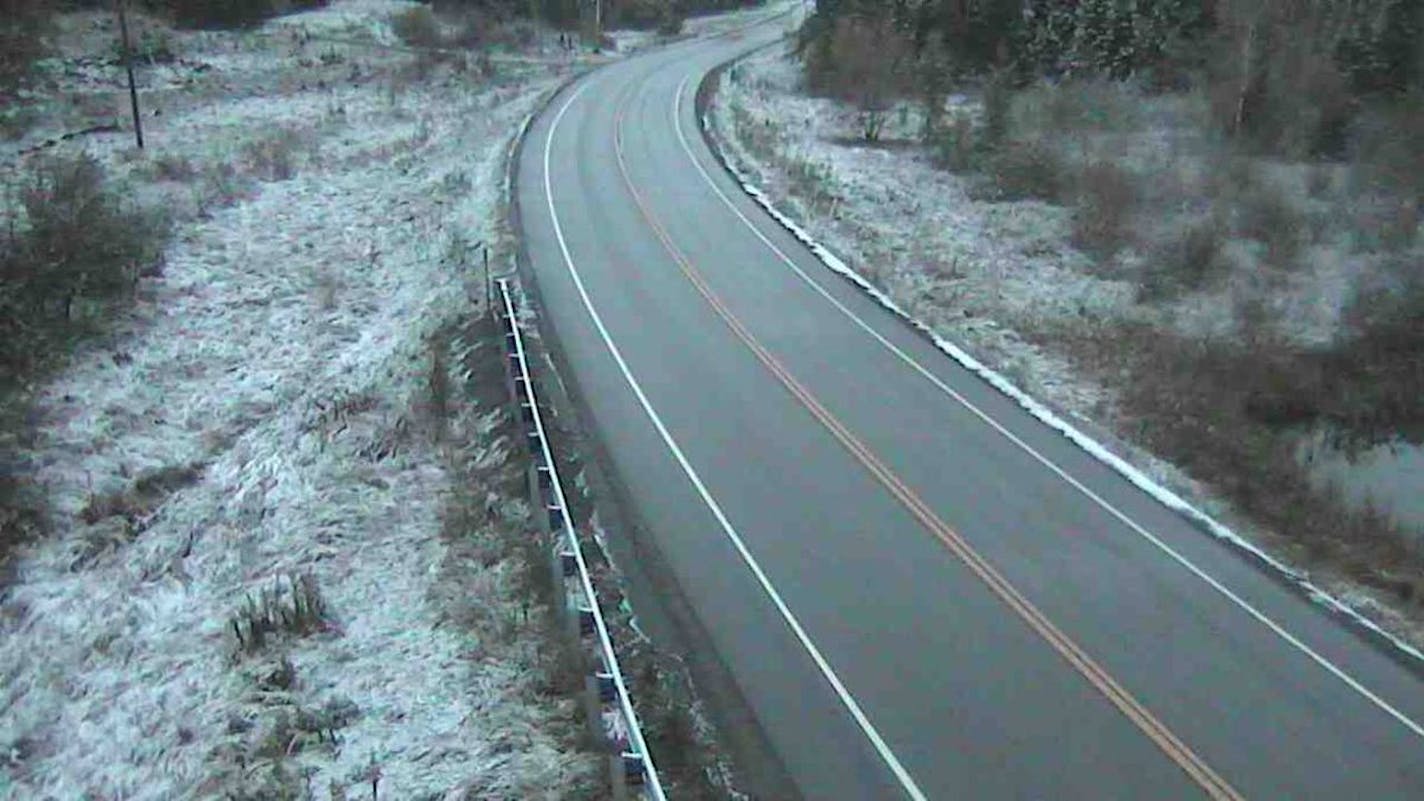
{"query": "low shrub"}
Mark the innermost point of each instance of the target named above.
(147, 492)
(1107, 199)
(148, 44)
(1386, 158)
(1077, 106)
(1023, 171)
(671, 23)
(73, 239)
(1267, 216)
(17, 119)
(517, 34)
(1376, 360)
(222, 14)
(998, 100)
(808, 179)
(1278, 90)
(1383, 224)
(1188, 261)
(219, 186)
(417, 27)
(22, 27)
(22, 505)
(475, 27)
(1319, 181)
(69, 245)
(1228, 415)
(639, 14)
(864, 63)
(955, 147)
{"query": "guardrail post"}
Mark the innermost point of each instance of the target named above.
(531, 481)
(593, 711)
(580, 617)
(628, 775)
(598, 693)
(563, 568)
(612, 719)
(617, 777)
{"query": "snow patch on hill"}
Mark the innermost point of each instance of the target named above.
(262, 415)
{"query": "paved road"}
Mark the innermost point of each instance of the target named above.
(919, 589)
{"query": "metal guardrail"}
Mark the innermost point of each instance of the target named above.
(611, 716)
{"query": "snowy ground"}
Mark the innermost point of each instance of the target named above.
(987, 275)
(971, 270)
(266, 412)
(733, 21)
(985, 270)
(706, 25)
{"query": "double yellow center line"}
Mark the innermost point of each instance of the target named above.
(1195, 767)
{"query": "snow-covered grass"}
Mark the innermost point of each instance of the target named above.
(975, 270)
(630, 41)
(266, 412)
(1006, 281)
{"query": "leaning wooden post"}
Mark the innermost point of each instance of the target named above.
(128, 65)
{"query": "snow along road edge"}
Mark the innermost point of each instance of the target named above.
(1394, 646)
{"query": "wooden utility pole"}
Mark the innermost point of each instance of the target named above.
(128, 65)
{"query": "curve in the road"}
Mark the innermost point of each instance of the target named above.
(1099, 678)
(1274, 627)
(1245, 700)
(851, 705)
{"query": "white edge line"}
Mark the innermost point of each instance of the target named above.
(1044, 414)
(901, 774)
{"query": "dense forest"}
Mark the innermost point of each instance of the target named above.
(1286, 74)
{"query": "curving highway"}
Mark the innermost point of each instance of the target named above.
(920, 590)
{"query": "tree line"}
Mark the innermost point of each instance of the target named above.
(616, 13)
(1260, 58)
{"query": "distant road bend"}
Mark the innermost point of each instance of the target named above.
(921, 591)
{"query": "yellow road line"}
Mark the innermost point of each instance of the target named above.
(1193, 765)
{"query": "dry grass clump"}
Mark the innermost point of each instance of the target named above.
(147, 492)
(175, 167)
(22, 515)
(273, 157)
(265, 737)
(293, 605)
(118, 518)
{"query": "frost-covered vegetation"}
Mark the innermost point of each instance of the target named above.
(1195, 222)
(262, 529)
